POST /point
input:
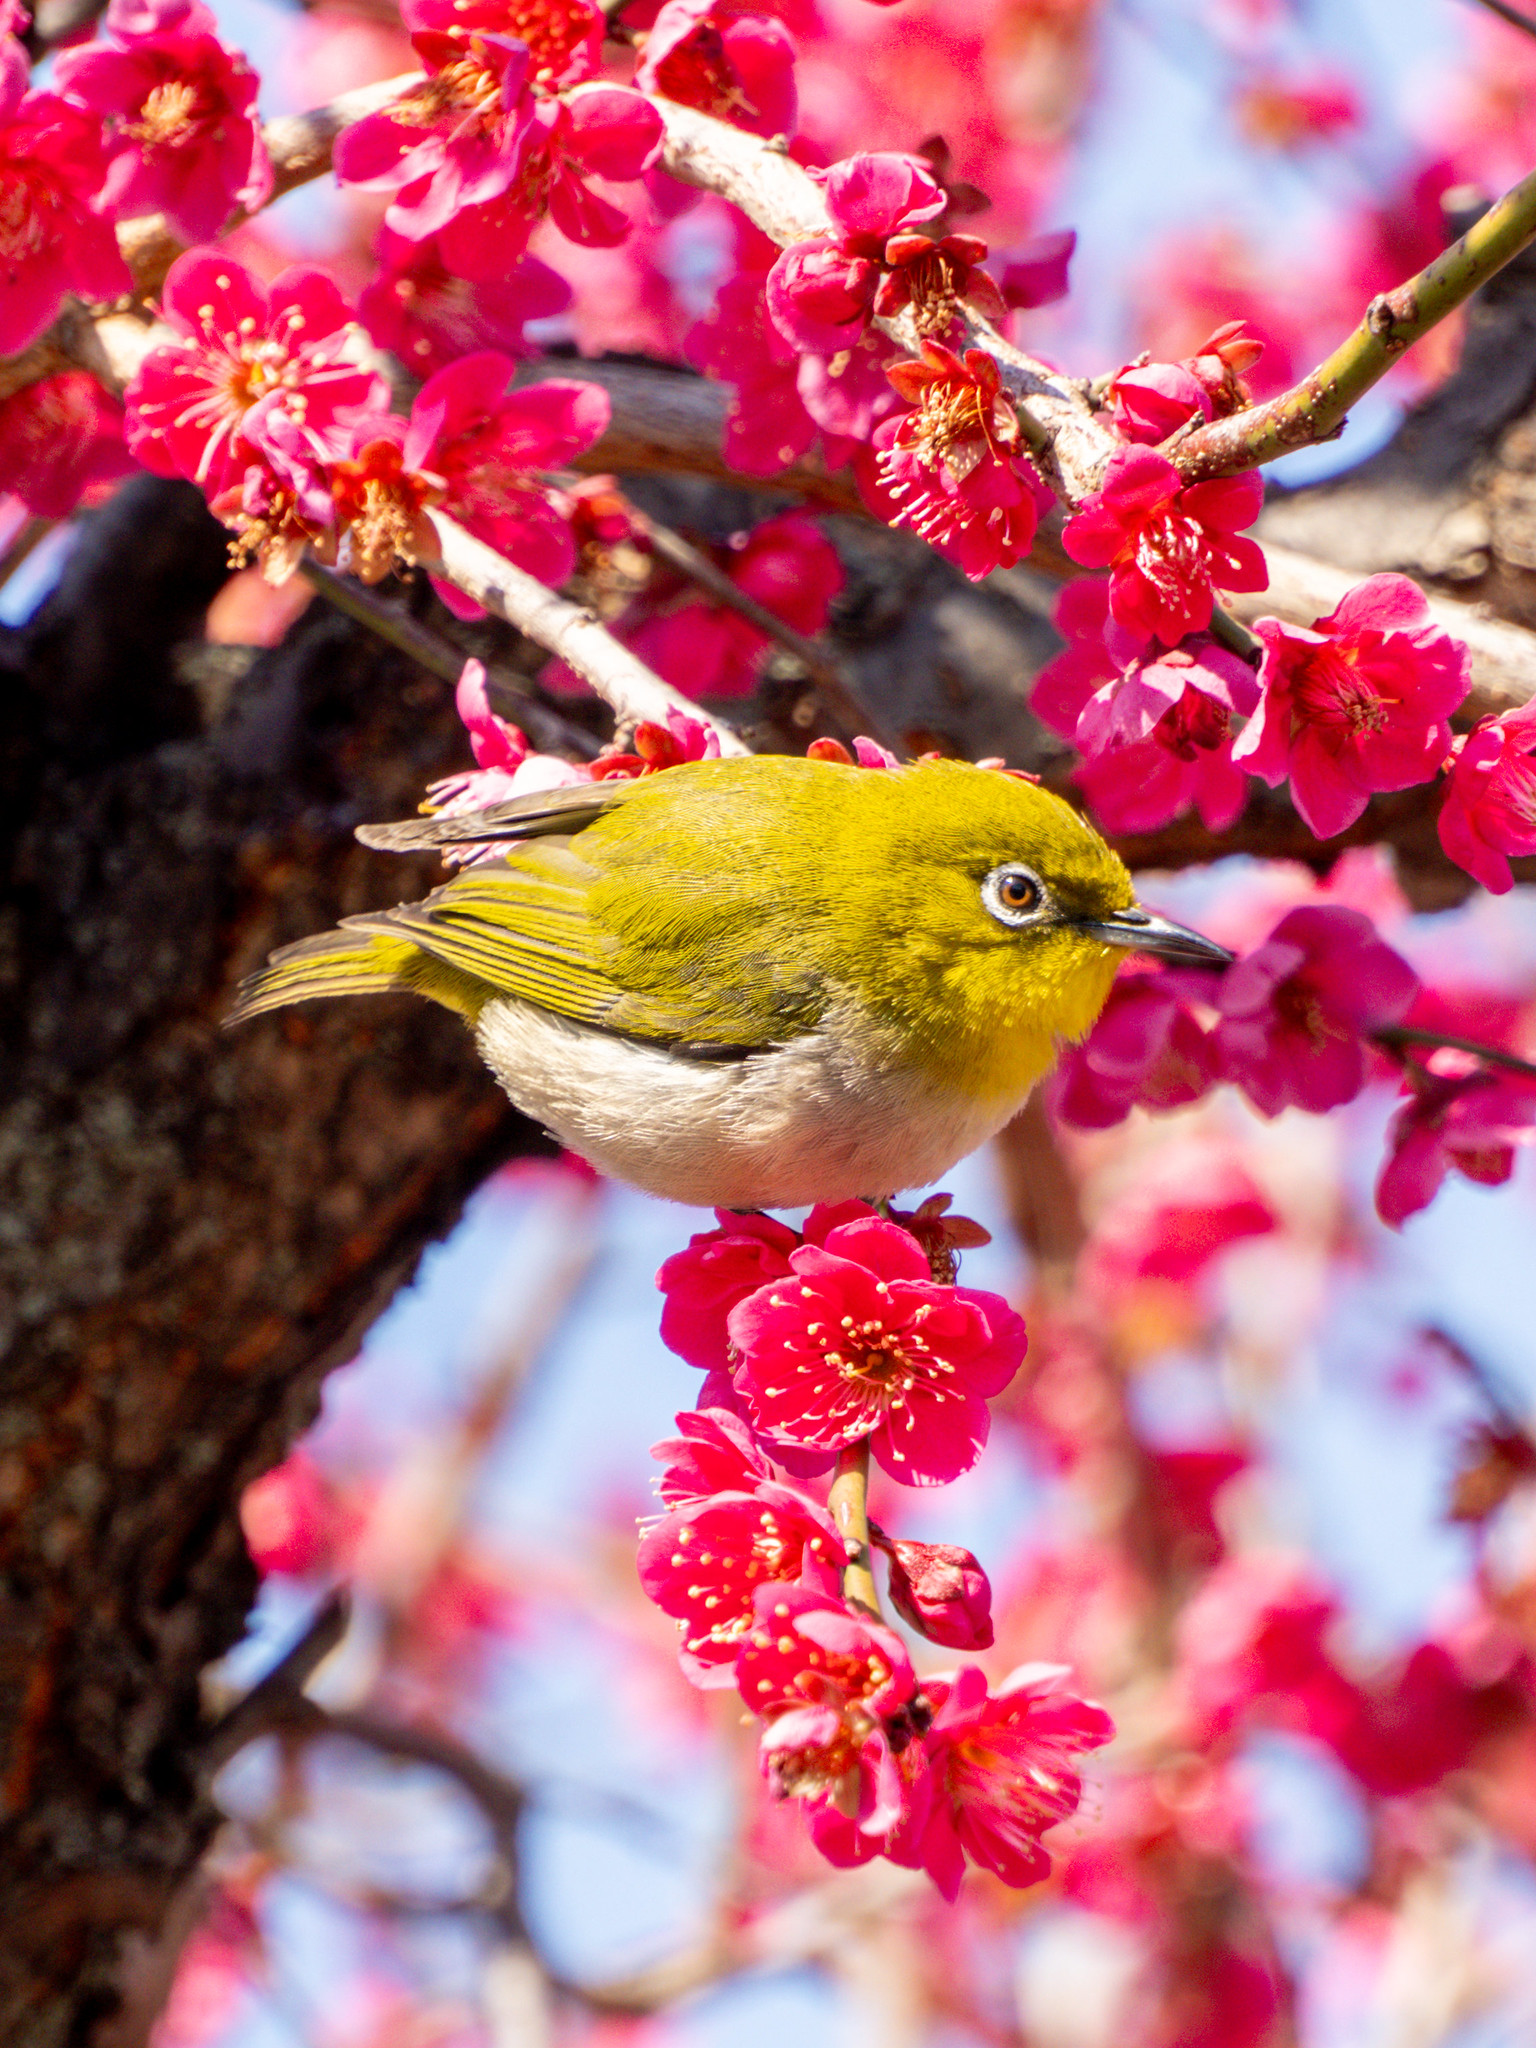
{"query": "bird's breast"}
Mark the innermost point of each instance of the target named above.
(832, 1114)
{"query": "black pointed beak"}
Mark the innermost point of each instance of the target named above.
(1140, 932)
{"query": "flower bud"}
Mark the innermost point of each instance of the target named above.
(940, 1590)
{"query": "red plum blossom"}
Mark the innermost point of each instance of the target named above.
(940, 1590)
(1167, 545)
(1360, 702)
(1466, 1122)
(857, 1340)
(1148, 1047)
(706, 1561)
(428, 315)
(828, 1681)
(725, 59)
(821, 293)
(248, 356)
(564, 37)
(1155, 723)
(52, 238)
(953, 468)
(1002, 1769)
(60, 440)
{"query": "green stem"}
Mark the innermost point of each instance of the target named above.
(1235, 637)
(1395, 1036)
(848, 1502)
(1315, 409)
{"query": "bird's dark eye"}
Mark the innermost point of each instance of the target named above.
(1012, 893)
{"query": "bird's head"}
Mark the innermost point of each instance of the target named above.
(986, 919)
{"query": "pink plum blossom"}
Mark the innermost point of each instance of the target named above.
(713, 1452)
(940, 1590)
(458, 140)
(61, 441)
(428, 315)
(1155, 723)
(716, 1270)
(705, 1562)
(1167, 545)
(181, 134)
(476, 447)
(52, 238)
(857, 1341)
(1001, 1770)
(828, 1682)
(1148, 1047)
(1294, 1014)
(594, 131)
(724, 58)
(257, 374)
(953, 468)
(821, 293)
(564, 37)
(1467, 1121)
(1150, 401)
(1360, 702)
(1489, 811)
(768, 426)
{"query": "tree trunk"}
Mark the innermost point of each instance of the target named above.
(194, 1225)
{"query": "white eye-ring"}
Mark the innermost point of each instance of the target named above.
(1014, 894)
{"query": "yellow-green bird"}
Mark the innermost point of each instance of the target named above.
(763, 982)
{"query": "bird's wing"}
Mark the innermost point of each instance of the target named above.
(519, 817)
(519, 926)
(703, 955)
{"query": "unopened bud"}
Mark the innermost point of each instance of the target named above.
(940, 1590)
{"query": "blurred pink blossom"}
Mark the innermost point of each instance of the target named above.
(61, 442)
(181, 129)
(1294, 1014)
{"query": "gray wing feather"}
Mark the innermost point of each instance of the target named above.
(520, 817)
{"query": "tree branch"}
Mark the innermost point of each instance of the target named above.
(567, 630)
(1315, 409)
(1071, 443)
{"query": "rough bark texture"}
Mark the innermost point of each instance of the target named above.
(193, 1224)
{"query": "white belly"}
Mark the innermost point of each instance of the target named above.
(807, 1122)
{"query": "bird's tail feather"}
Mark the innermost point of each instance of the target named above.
(350, 963)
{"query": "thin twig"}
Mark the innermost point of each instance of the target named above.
(837, 693)
(1505, 12)
(545, 727)
(565, 629)
(1316, 408)
(253, 1714)
(1393, 1036)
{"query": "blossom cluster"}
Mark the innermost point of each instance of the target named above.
(1304, 1021)
(822, 1346)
